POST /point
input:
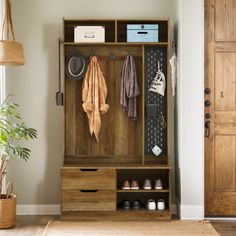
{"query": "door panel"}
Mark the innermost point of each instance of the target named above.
(220, 121)
(225, 81)
(224, 163)
(225, 20)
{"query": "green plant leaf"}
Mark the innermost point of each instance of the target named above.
(13, 130)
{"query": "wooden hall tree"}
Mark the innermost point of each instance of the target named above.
(93, 172)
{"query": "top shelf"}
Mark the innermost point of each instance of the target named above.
(115, 30)
(112, 44)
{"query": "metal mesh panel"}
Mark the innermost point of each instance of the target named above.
(153, 128)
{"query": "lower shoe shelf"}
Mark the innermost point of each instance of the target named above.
(119, 215)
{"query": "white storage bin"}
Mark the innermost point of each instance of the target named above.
(89, 34)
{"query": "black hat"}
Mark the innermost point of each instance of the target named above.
(76, 66)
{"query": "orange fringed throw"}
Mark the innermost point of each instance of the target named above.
(94, 94)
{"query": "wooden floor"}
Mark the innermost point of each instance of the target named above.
(225, 228)
(34, 225)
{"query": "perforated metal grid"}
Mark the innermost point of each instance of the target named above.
(153, 128)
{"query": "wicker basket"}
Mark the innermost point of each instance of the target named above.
(11, 53)
(8, 208)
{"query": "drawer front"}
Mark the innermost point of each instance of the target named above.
(87, 179)
(88, 200)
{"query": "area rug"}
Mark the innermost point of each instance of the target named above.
(172, 228)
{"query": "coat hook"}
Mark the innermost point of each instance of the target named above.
(112, 56)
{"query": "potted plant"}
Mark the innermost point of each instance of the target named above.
(12, 132)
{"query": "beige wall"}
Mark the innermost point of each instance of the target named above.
(34, 85)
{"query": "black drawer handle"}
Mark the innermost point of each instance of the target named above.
(88, 191)
(88, 169)
(141, 32)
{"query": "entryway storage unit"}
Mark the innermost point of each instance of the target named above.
(93, 172)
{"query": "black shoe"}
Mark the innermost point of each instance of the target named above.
(137, 205)
(125, 205)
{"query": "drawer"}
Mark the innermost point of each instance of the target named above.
(87, 179)
(88, 200)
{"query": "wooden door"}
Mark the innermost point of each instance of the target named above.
(220, 107)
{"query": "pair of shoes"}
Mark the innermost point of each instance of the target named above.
(134, 185)
(152, 205)
(148, 184)
(126, 205)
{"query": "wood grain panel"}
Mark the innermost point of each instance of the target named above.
(86, 179)
(220, 70)
(225, 81)
(119, 136)
(225, 119)
(70, 111)
(225, 172)
(222, 204)
(225, 46)
(77, 200)
(225, 20)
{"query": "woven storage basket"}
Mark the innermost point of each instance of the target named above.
(11, 53)
(8, 208)
(7, 212)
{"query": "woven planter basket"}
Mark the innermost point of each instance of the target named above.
(7, 212)
(11, 52)
(8, 208)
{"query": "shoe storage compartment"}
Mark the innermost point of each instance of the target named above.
(141, 175)
(143, 198)
(93, 172)
(143, 195)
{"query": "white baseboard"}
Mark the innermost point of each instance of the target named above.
(191, 212)
(38, 209)
(52, 209)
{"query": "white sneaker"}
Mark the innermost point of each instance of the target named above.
(151, 205)
(160, 205)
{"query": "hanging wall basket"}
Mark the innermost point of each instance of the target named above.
(11, 52)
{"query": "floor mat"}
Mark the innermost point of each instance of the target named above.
(175, 228)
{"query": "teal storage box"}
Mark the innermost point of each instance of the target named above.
(142, 33)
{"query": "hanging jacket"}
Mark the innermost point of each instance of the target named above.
(129, 87)
(94, 94)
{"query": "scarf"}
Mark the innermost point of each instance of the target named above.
(94, 94)
(129, 87)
